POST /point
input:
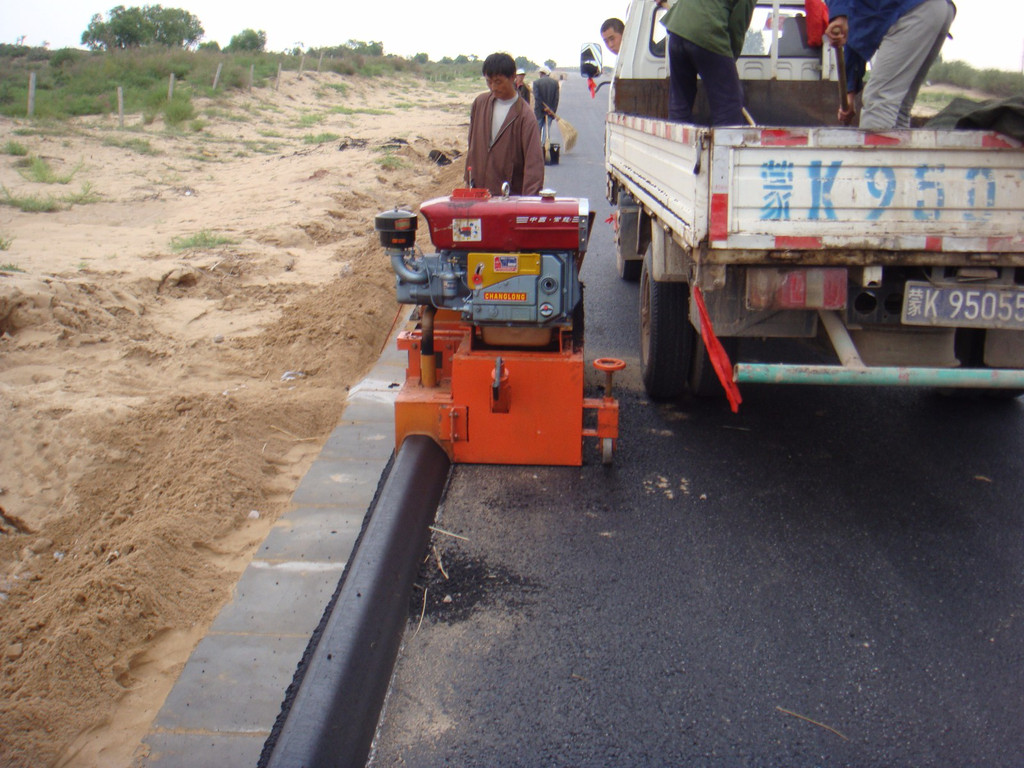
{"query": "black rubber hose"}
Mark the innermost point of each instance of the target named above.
(334, 714)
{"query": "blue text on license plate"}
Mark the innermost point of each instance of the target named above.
(963, 306)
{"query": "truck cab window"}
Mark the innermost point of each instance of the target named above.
(792, 36)
(658, 33)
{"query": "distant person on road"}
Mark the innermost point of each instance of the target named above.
(901, 39)
(504, 141)
(521, 86)
(705, 37)
(611, 33)
(545, 101)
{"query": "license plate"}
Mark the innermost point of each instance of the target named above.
(963, 306)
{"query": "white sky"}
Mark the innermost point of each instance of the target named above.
(986, 33)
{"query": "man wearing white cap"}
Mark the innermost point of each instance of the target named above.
(521, 86)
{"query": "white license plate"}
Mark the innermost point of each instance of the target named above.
(963, 306)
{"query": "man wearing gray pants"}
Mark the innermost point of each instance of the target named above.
(902, 39)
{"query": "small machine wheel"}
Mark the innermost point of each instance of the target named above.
(609, 364)
(607, 450)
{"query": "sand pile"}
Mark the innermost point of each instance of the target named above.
(174, 349)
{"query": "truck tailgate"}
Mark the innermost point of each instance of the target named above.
(825, 189)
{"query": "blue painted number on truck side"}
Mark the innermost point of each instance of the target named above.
(778, 180)
(883, 192)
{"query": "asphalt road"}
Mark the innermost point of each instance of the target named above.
(830, 577)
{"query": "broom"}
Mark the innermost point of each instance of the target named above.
(569, 133)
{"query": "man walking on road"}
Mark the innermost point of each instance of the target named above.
(545, 102)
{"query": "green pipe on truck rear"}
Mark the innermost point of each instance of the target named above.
(966, 378)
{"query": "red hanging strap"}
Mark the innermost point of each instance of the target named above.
(719, 357)
(817, 21)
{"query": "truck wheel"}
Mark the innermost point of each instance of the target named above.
(628, 269)
(626, 239)
(703, 379)
(666, 336)
(970, 350)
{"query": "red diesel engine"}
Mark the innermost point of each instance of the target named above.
(501, 261)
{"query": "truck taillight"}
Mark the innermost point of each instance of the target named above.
(796, 288)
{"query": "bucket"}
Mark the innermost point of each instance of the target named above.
(554, 150)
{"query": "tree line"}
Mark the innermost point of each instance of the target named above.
(126, 28)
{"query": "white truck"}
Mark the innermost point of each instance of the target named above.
(902, 253)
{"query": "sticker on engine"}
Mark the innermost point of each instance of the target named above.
(467, 231)
(506, 263)
(504, 296)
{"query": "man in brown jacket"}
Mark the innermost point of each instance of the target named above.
(504, 140)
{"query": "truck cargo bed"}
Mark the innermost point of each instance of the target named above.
(826, 195)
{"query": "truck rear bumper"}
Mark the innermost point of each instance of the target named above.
(891, 376)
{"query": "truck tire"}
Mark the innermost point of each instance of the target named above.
(703, 379)
(626, 238)
(970, 350)
(666, 336)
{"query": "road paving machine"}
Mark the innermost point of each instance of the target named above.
(495, 370)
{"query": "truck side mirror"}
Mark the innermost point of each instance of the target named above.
(590, 60)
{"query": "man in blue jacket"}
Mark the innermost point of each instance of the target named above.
(902, 39)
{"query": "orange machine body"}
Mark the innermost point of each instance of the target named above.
(535, 413)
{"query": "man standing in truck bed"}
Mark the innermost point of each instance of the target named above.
(705, 37)
(902, 39)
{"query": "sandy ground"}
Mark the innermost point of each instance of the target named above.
(159, 405)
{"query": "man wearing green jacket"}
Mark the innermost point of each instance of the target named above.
(705, 37)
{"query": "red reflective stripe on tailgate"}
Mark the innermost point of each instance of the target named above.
(1005, 244)
(777, 138)
(880, 140)
(719, 225)
(797, 243)
(997, 141)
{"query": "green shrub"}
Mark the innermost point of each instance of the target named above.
(142, 146)
(30, 203)
(202, 239)
(38, 170)
(390, 161)
(320, 138)
(14, 148)
(178, 110)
